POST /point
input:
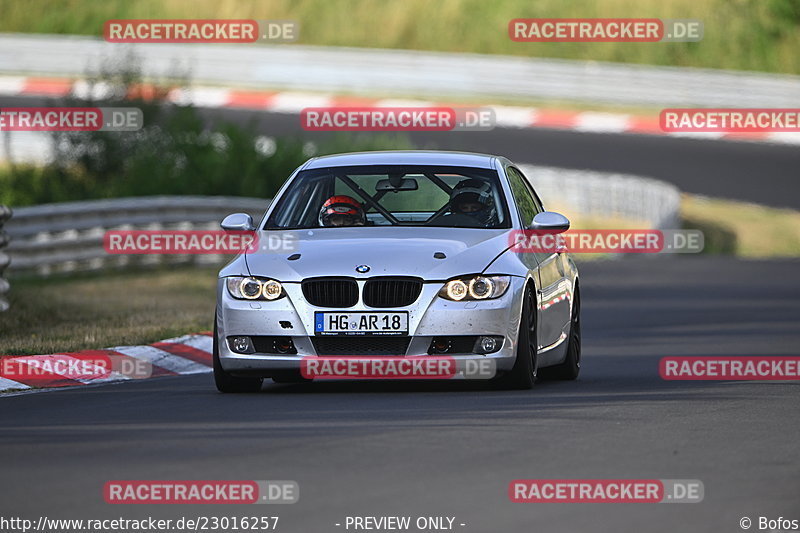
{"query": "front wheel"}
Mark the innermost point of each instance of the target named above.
(571, 367)
(526, 364)
(224, 381)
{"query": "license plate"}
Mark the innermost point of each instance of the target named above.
(338, 323)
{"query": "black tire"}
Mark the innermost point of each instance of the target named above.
(224, 381)
(571, 367)
(526, 366)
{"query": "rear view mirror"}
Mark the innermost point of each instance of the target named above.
(238, 222)
(407, 184)
(548, 220)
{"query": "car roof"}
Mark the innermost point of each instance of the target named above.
(403, 157)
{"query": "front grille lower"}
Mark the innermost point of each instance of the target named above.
(349, 345)
(391, 291)
(331, 292)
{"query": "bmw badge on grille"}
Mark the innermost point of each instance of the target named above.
(362, 269)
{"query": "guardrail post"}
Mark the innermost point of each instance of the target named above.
(5, 214)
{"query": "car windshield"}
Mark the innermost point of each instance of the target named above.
(392, 195)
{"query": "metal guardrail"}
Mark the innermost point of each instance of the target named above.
(68, 237)
(406, 73)
(601, 195)
(5, 214)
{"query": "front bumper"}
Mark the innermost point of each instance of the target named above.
(428, 317)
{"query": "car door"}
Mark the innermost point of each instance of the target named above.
(554, 287)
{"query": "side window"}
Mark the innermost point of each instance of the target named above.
(523, 197)
(528, 185)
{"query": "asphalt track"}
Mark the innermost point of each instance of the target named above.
(763, 173)
(451, 449)
(370, 449)
(757, 172)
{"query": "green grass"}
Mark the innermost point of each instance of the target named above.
(729, 227)
(743, 229)
(761, 35)
(99, 311)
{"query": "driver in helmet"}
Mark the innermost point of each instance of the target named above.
(341, 211)
(471, 205)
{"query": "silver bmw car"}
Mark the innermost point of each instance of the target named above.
(398, 253)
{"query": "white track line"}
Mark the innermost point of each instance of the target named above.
(200, 342)
(10, 384)
(200, 96)
(54, 362)
(602, 122)
(296, 102)
(514, 117)
(163, 359)
(12, 85)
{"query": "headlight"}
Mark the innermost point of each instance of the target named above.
(456, 290)
(272, 290)
(475, 288)
(254, 288)
(250, 288)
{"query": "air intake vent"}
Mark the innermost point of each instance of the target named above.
(331, 292)
(391, 291)
(351, 345)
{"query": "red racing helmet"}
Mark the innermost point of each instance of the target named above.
(342, 210)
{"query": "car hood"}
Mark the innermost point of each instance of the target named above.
(388, 251)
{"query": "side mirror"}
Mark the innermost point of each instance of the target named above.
(548, 220)
(238, 222)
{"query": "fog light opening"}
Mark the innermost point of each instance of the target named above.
(241, 344)
(488, 344)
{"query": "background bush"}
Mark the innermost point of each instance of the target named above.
(176, 152)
